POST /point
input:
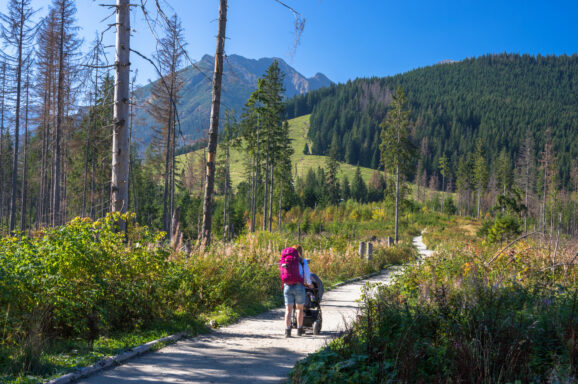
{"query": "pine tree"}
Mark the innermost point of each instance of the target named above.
(273, 135)
(396, 148)
(332, 167)
(265, 138)
(480, 176)
(444, 171)
(358, 187)
(504, 171)
(525, 178)
(464, 184)
(345, 189)
(549, 189)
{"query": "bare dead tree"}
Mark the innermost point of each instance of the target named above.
(17, 33)
(214, 126)
(25, 157)
(163, 108)
(44, 87)
(2, 115)
(120, 137)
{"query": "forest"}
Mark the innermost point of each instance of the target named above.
(520, 109)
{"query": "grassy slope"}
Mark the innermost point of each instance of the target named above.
(298, 129)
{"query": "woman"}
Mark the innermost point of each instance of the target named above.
(295, 294)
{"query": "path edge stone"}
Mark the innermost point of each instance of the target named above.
(113, 361)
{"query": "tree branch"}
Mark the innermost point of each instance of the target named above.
(509, 245)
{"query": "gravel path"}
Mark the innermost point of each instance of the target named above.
(253, 350)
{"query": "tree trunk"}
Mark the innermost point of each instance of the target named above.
(2, 181)
(120, 143)
(255, 184)
(266, 186)
(24, 155)
(166, 192)
(172, 179)
(132, 205)
(17, 120)
(544, 197)
(479, 198)
(56, 214)
(203, 181)
(253, 193)
(214, 126)
(271, 189)
(396, 203)
(280, 211)
(42, 204)
(443, 190)
(225, 205)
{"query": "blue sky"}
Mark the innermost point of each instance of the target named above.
(345, 39)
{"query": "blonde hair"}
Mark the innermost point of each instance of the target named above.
(299, 249)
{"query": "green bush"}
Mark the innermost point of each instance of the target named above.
(504, 228)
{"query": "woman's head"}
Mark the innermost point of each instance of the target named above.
(299, 249)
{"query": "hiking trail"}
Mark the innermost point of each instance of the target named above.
(254, 350)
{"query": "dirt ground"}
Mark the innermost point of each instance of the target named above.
(254, 350)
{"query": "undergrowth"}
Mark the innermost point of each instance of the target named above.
(71, 295)
(468, 314)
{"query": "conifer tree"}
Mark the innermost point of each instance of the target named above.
(525, 178)
(464, 183)
(480, 176)
(444, 169)
(396, 148)
(345, 189)
(265, 138)
(504, 171)
(358, 187)
(332, 169)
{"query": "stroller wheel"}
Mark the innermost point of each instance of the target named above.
(317, 327)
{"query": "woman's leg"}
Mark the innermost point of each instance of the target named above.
(300, 315)
(288, 313)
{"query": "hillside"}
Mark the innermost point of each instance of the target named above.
(298, 131)
(500, 99)
(239, 81)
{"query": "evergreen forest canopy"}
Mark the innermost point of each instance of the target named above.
(503, 99)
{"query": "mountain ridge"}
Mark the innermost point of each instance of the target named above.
(501, 99)
(240, 77)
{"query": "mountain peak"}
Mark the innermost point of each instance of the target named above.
(240, 76)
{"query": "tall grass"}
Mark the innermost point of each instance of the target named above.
(73, 294)
(466, 315)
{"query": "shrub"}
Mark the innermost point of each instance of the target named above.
(504, 228)
(459, 317)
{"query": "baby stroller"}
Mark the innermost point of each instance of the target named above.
(312, 310)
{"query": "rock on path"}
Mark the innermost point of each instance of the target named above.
(253, 350)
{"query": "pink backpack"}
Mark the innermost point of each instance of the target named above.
(289, 267)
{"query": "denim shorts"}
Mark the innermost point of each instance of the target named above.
(294, 294)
